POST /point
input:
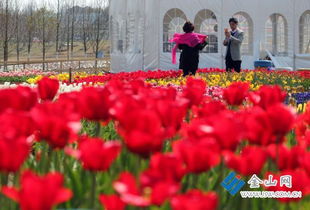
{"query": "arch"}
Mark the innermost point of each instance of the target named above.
(304, 32)
(173, 22)
(276, 35)
(206, 23)
(246, 25)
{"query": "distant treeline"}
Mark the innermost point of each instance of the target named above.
(55, 24)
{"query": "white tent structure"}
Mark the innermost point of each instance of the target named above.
(140, 30)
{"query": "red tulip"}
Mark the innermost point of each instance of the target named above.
(258, 127)
(305, 140)
(198, 156)
(20, 98)
(210, 108)
(55, 132)
(70, 101)
(16, 132)
(143, 122)
(236, 93)
(194, 91)
(16, 124)
(98, 155)
(157, 194)
(95, 154)
(267, 96)
(195, 199)
(163, 191)
(172, 114)
(124, 105)
(305, 162)
(249, 162)
(284, 157)
(281, 119)
(306, 115)
(302, 129)
(163, 167)
(226, 129)
(112, 202)
(166, 93)
(48, 88)
(57, 124)
(143, 132)
(39, 193)
(94, 103)
(63, 108)
(13, 153)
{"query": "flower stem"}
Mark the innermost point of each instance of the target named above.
(97, 129)
(277, 151)
(93, 190)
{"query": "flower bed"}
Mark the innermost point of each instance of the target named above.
(22, 76)
(142, 145)
(297, 84)
(290, 81)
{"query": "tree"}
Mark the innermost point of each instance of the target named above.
(46, 26)
(17, 28)
(30, 26)
(58, 24)
(1, 25)
(72, 26)
(67, 21)
(86, 27)
(7, 28)
(68, 33)
(6, 35)
(100, 26)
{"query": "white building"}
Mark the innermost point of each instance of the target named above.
(140, 30)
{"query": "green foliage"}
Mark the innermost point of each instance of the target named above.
(15, 79)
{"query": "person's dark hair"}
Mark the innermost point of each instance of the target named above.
(188, 27)
(234, 20)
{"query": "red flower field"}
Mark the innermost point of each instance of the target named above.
(129, 145)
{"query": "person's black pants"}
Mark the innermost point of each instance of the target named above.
(189, 71)
(231, 64)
